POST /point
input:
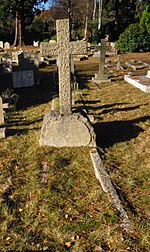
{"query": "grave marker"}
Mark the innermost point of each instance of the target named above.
(101, 76)
(6, 46)
(66, 127)
(1, 44)
(64, 49)
(119, 60)
(23, 79)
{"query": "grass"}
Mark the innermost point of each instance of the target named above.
(68, 211)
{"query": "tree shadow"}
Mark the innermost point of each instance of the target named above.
(83, 79)
(104, 107)
(109, 133)
(40, 94)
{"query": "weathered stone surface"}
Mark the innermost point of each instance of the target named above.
(6, 45)
(63, 49)
(72, 130)
(104, 179)
(2, 132)
(101, 77)
(141, 82)
(23, 79)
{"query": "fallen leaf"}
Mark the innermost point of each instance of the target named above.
(68, 244)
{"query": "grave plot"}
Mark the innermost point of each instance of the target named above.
(136, 64)
(141, 82)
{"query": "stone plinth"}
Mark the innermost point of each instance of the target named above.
(72, 130)
(99, 78)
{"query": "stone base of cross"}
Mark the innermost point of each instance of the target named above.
(65, 128)
(72, 130)
(101, 76)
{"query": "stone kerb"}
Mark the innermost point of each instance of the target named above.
(65, 128)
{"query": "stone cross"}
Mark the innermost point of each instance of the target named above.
(64, 49)
(119, 60)
(102, 48)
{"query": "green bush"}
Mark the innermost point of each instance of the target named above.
(145, 20)
(133, 39)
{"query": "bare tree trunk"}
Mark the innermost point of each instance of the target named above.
(16, 23)
(94, 10)
(86, 20)
(19, 32)
(100, 14)
(19, 24)
(16, 29)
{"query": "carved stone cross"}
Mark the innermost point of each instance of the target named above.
(102, 48)
(63, 49)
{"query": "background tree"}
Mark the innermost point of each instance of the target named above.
(145, 20)
(22, 11)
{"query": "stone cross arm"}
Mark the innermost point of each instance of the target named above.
(48, 49)
(74, 48)
(103, 47)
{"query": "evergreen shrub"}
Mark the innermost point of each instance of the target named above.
(133, 39)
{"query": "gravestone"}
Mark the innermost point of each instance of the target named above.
(148, 74)
(23, 79)
(1, 44)
(6, 46)
(65, 127)
(15, 57)
(119, 60)
(2, 128)
(7, 63)
(35, 43)
(30, 61)
(101, 76)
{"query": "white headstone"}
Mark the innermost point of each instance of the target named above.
(23, 79)
(35, 43)
(6, 45)
(1, 44)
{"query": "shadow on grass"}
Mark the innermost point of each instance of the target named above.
(109, 106)
(39, 94)
(109, 133)
(83, 79)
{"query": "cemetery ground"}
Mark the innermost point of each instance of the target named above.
(50, 197)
